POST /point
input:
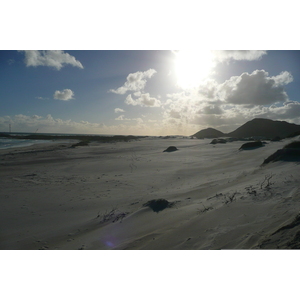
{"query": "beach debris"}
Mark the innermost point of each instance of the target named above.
(251, 145)
(112, 215)
(171, 149)
(267, 181)
(205, 209)
(158, 204)
(230, 198)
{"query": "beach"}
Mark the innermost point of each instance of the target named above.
(58, 197)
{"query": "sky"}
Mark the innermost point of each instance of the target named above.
(146, 92)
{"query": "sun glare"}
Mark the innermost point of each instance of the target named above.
(192, 67)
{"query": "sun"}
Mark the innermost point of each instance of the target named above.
(192, 66)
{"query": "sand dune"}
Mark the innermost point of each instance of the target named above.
(92, 197)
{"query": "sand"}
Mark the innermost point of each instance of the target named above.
(91, 197)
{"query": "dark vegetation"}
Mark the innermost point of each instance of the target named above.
(158, 204)
(251, 145)
(293, 145)
(293, 224)
(82, 138)
(112, 215)
(294, 134)
(290, 152)
(218, 141)
(171, 149)
(82, 143)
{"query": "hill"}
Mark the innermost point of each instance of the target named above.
(210, 133)
(256, 127)
(265, 127)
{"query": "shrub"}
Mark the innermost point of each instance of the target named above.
(251, 145)
(158, 204)
(171, 149)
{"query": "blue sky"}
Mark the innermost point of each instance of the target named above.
(146, 92)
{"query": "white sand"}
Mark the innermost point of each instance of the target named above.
(51, 199)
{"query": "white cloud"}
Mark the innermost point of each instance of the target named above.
(256, 88)
(41, 98)
(225, 55)
(119, 110)
(120, 118)
(135, 82)
(64, 95)
(50, 58)
(143, 100)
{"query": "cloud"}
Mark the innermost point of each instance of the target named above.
(143, 100)
(64, 95)
(256, 88)
(226, 55)
(119, 110)
(135, 82)
(50, 58)
(120, 118)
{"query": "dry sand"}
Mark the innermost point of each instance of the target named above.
(91, 197)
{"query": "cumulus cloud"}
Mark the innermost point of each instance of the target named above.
(256, 88)
(50, 58)
(63, 95)
(143, 100)
(226, 55)
(135, 82)
(119, 110)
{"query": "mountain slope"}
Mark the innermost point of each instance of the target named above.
(208, 133)
(265, 127)
(256, 127)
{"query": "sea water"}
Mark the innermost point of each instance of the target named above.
(6, 143)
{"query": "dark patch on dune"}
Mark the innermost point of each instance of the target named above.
(276, 139)
(285, 237)
(293, 224)
(251, 145)
(158, 204)
(295, 242)
(290, 152)
(171, 149)
(218, 141)
(82, 143)
(294, 145)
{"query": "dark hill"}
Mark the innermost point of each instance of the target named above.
(209, 133)
(256, 127)
(265, 127)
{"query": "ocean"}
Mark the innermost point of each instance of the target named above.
(6, 143)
